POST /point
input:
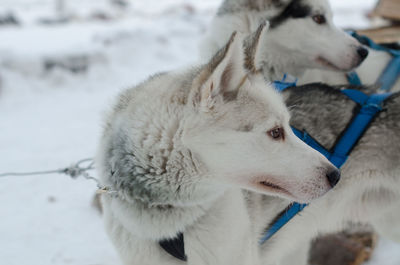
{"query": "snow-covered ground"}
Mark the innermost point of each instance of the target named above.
(51, 117)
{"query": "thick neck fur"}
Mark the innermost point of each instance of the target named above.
(147, 160)
(144, 160)
(160, 189)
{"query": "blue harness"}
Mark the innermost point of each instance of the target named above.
(389, 75)
(370, 105)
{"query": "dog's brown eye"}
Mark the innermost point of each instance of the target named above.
(319, 19)
(277, 133)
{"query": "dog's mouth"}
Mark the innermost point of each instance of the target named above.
(324, 62)
(274, 187)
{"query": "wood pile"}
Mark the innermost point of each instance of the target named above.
(390, 11)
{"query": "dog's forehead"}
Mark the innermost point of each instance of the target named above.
(263, 101)
(317, 6)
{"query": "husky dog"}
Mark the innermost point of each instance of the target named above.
(179, 148)
(370, 187)
(302, 36)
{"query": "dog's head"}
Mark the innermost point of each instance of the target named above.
(238, 127)
(303, 35)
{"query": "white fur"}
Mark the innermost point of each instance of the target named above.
(189, 154)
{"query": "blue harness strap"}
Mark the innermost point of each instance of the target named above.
(391, 72)
(370, 107)
(353, 79)
(305, 137)
(289, 213)
(282, 85)
(390, 75)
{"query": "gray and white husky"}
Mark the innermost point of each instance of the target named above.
(302, 41)
(179, 149)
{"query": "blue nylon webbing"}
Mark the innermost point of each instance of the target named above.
(291, 212)
(282, 85)
(353, 79)
(305, 137)
(389, 75)
(370, 107)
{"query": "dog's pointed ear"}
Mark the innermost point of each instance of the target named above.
(221, 78)
(254, 48)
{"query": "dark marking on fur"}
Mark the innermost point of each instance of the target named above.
(296, 9)
(230, 95)
(175, 247)
(272, 70)
(231, 7)
(246, 128)
(260, 5)
(278, 3)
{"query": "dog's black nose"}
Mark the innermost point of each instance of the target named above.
(333, 177)
(363, 52)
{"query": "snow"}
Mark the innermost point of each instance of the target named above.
(51, 118)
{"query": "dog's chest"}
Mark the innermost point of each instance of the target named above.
(223, 235)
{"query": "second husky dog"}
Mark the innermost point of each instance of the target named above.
(302, 35)
(178, 150)
(302, 41)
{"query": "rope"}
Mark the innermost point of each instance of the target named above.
(74, 171)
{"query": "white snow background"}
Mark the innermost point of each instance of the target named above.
(51, 118)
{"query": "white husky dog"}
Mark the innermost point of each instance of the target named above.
(179, 148)
(302, 37)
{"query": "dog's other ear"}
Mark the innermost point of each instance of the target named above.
(221, 78)
(254, 48)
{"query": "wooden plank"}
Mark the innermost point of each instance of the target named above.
(382, 35)
(388, 9)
